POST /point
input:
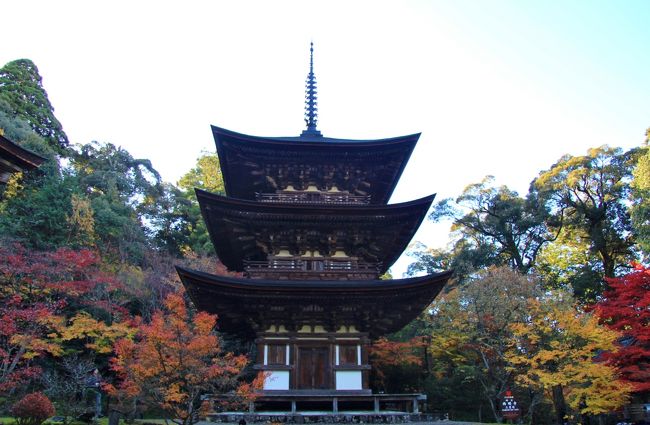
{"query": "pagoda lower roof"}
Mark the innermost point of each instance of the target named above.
(245, 230)
(246, 306)
(14, 158)
(252, 164)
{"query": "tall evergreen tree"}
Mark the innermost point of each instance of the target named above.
(21, 88)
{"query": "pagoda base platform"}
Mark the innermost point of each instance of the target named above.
(352, 417)
(329, 407)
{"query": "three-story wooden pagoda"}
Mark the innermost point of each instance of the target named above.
(307, 221)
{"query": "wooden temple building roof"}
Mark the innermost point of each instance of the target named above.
(246, 306)
(14, 159)
(252, 165)
(244, 230)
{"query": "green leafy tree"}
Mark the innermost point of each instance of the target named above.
(36, 210)
(21, 88)
(205, 175)
(568, 263)
(123, 192)
(588, 197)
(494, 225)
(641, 199)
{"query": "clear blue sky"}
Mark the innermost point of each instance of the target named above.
(496, 87)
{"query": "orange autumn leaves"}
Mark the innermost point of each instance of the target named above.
(174, 359)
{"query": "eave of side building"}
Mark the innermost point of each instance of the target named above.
(14, 159)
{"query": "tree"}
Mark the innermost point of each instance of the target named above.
(123, 192)
(640, 208)
(205, 175)
(568, 263)
(33, 409)
(470, 332)
(41, 295)
(388, 356)
(624, 308)
(36, 214)
(588, 195)
(21, 88)
(464, 258)
(498, 224)
(174, 360)
(68, 385)
(556, 351)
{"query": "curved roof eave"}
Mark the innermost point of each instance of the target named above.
(377, 307)
(309, 208)
(312, 141)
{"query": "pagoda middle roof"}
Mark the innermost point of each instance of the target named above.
(15, 158)
(253, 164)
(246, 230)
(245, 306)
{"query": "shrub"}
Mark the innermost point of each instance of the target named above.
(33, 409)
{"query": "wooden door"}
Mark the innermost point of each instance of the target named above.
(313, 368)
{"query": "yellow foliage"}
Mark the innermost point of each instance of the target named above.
(559, 346)
(99, 336)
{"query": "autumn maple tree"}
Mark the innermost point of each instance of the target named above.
(42, 295)
(558, 351)
(626, 308)
(386, 354)
(174, 359)
(470, 332)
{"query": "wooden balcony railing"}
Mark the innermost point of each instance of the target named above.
(321, 269)
(303, 197)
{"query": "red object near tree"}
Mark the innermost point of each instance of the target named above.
(33, 409)
(626, 308)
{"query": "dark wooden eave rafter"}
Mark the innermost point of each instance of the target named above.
(252, 164)
(247, 230)
(14, 158)
(246, 306)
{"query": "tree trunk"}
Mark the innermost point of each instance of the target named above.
(559, 403)
(114, 417)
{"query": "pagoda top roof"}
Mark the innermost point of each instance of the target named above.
(279, 140)
(378, 307)
(253, 164)
(14, 158)
(246, 230)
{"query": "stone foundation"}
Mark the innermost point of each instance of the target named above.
(326, 418)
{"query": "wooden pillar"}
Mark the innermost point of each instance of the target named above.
(416, 408)
(335, 405)
(251, 407)
(376, 404)
(293, 406)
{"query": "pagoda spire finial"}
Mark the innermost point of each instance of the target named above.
(311, 103)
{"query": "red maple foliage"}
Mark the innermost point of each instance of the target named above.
(626, 308)
(33, 409)
(39, 292)
(385, 354)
